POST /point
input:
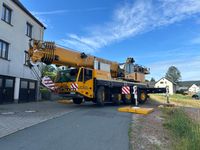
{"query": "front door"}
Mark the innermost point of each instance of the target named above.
(6, 89)
(27, 91)
(85, 82)
(23, 94)
(32, 91)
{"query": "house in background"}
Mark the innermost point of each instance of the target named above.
(164, 82)
(151, 84)
(190, 87)
(194, 89)
(17, 26)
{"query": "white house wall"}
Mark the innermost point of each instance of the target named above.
(15, 35)
(163, 83)
(194, 89)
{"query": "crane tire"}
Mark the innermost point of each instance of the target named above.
(101, 96)
(77, 100)
(142, 97)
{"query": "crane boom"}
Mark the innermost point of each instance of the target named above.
(49, 53)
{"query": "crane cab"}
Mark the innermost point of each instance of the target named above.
(75, 82)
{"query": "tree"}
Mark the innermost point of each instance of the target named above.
(152, 80)
(49, 70)
(173, 74)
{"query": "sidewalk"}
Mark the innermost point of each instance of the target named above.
(15, 117)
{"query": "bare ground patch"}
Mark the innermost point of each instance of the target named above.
(147, 131)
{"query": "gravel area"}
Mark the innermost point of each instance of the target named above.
(147, 131)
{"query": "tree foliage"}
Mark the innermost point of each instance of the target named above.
(49, 70)
(173, 74)
(152, 80)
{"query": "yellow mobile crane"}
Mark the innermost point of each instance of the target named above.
(90, 78)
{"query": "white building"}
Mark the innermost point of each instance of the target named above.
(194, 89)
(17, 26)
(163, 83)
(190, 87)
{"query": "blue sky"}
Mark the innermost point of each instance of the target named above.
(157, 33)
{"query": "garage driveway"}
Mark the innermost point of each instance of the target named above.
(81, 128)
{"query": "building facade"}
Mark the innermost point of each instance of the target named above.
(163, 83)
(194, 89)
(17, 25)
(190, 87)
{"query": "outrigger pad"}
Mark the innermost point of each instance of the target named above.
(65, 101)
(137, 110)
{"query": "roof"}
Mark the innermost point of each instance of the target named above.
(20, 5)
(167, 79)
(188, 83)
(151, 84)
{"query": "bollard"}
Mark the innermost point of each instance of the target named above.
(167, 94)
(135, 95)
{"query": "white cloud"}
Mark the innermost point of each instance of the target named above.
(135, 18)
(76, 45)
(49, 12)
(52, 12)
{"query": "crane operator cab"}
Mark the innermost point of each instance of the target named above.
(75, 83)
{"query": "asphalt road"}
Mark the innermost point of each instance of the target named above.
(86, 128)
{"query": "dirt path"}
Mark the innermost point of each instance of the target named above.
(147, 131)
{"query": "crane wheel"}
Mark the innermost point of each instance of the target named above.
(77, 100)
(142, 98)
(101, 96)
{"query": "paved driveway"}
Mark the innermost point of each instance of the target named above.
(14, 117)
(86, 127)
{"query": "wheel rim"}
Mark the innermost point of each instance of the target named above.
(128, 96)
(143, 96)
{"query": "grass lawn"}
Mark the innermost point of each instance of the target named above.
(185, 131)
(180, 100)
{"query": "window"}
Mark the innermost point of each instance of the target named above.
(68, 75)
(29, 28)
(32, 85)
(161, 82)
(4, 49)
(87, 74)
(6, 14)
(24, 84)
(9, 83)
(80, 79)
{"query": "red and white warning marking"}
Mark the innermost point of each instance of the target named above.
(126, 90)
(47, 82)
(74, 86)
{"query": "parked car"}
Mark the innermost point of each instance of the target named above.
(196, 96)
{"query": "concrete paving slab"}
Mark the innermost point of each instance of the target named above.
(15, 117)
